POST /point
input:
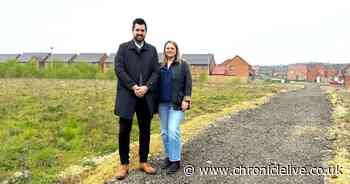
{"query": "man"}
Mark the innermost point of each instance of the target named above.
(137, 70)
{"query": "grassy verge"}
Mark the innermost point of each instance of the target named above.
(46, 125)
(340, 132)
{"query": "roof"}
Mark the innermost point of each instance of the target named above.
(199, 59)
(61, 57)
(5, 57)
(89, 57)
(236, 59)
(40, 56)
(241, 59)
(298, 66)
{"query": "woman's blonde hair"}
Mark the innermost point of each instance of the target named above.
(177, 58)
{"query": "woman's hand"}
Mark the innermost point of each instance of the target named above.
(184, 105)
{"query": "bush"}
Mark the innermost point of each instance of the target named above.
(203, 76)
(54, 70)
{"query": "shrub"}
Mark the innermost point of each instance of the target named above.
(203, 76)
(54, 70)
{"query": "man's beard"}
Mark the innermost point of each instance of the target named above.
(138, 40)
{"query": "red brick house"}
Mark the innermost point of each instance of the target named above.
(297, 72)
(238, 67)
(312, 72)
(316, 73)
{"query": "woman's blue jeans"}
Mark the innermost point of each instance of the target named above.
(170, 120)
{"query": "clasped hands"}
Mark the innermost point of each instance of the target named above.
(185, 105)
(140, 91)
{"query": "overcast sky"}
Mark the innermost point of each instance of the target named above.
(262, 32)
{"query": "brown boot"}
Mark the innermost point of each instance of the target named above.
(122, 172)
(147, 168)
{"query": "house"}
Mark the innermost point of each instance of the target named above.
(64, 58)
(316, 72)
(6, 57)
(297, 72)
(200, 63)
(238, 67)
(92, 58)
(39, 57)
(346, 73)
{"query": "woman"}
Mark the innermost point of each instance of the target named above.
(175, 89)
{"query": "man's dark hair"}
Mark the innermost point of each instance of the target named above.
(139, 21)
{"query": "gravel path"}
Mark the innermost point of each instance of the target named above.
(290, 129)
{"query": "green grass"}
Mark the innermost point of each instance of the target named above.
(47, 125)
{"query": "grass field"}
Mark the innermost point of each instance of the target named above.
(47, 125)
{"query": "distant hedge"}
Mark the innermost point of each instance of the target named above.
(54, 70)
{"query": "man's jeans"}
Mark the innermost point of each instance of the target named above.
(170, 120)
